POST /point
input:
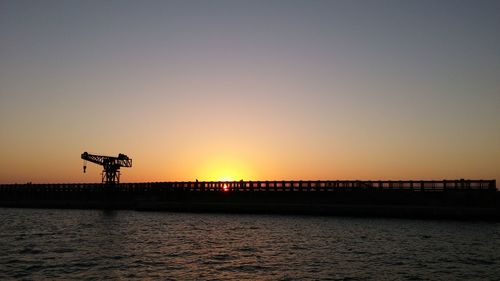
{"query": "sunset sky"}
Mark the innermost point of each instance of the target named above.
(253, 90)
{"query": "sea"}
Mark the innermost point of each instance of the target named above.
(55, 244)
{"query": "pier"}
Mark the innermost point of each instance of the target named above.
(268, 186)
(457, 199)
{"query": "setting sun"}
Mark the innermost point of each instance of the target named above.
(223, 167)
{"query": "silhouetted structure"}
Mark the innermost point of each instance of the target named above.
(111, 166)
(456, 199)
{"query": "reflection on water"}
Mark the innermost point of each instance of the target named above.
(78, 244)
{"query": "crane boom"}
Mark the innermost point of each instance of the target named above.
(111, 165)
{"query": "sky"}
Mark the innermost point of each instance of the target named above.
(252, 90)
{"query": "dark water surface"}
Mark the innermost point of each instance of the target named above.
(96, 245)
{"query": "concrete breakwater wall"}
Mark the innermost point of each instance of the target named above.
(458, 199)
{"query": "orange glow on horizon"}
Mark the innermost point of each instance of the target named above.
(224, 168)
(225, 178)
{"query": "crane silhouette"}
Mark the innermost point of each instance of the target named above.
(111, 166)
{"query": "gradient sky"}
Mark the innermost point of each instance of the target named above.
(267, 90)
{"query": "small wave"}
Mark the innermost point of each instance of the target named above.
(84, 264)
(217, 259)
(20, 237)
(247, 268)
(63, 250)
(12, 261)
(221, 257)
(247, 249)
(298, 247)
(180, 254)
(30, 251)
(478, 261)
(286, 278)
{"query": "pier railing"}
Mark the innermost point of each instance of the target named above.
(267, 186)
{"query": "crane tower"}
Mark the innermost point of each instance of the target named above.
(111, 166)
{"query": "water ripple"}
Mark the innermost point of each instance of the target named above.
(95, 245)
